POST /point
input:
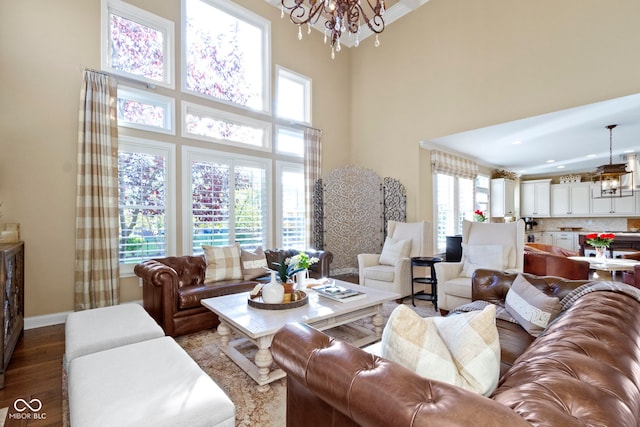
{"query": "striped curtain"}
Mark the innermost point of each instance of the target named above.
(448, 164)
(312, 172)
(96, 262)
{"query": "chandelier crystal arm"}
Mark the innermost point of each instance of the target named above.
(340, 16)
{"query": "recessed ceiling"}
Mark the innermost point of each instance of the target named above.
(563, 142)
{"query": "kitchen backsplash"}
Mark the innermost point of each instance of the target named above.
(587, 224)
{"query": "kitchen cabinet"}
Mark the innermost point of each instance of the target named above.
(535, 198)
(565, 239)
(607, 206)
(570, 199)
(503, 197)
(543, 237)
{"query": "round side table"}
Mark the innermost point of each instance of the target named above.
(432, 280)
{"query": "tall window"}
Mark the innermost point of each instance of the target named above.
(145, 177)
(454, 203)
(227, 200)
(225, 65)
(454, 189)
(482, 193)
(291, 205)
(226, 53)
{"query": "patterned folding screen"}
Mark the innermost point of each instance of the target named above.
(352, 207)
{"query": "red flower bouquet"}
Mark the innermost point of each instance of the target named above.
(478, 215)
(602, 240)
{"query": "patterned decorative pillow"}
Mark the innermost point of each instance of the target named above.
(223, 263)
(254, 264)
(462, 349)
(532, 308)
(393, 250)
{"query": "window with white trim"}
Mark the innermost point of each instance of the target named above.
(454, 201)
(227, 199)
(146, 200)
(293, 96)
(289, 141)
(482, 194)
(137, 44)
(226, 53)
(211, 124)
(291, 205)
(140, 109)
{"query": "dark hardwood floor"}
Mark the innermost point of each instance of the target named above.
(35, 372)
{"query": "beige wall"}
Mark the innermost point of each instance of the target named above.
(457, 65)
(450, 66)
(43, 45)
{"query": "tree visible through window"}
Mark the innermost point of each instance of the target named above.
(224, 57)
(142, 195)
(228, 204)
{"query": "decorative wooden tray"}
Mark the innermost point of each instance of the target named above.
(257, 303)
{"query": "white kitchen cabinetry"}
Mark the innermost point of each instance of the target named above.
(618, 206)
(570, 199)
(503, 197)
(535, 198)
(565, 240)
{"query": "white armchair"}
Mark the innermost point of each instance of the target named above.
(497, 246)
(391, 270)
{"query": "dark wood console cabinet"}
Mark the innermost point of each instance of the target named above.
(12, 285)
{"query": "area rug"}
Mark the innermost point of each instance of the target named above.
(253, 408)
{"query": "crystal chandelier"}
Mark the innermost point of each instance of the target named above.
(340, 16)
(615, 180)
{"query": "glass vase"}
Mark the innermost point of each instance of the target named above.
(601, 253)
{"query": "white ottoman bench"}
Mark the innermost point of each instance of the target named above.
(99, 329)
(150, 383)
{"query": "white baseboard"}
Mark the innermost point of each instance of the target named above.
(53, 318)
(45, 320)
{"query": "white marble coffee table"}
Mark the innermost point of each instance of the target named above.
(259, 326)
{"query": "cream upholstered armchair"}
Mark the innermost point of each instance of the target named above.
(496, 246)
(391, 269)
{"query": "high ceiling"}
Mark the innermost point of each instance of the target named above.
(563, 142)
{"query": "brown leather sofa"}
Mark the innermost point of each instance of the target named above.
(550, 249)
(172, 288)
(583, 370)
(632, 277)
(548, 260)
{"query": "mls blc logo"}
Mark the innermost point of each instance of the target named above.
(28, 410)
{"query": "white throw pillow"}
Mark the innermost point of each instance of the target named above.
(492, 257)
(393, 250)
(223, 263)
(462, 349)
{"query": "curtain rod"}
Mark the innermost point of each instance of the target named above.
(118, 77)
(294, 124)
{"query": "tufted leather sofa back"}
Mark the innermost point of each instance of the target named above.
(584, 370)
(190, 269)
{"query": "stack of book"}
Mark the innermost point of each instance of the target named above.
(338, 293)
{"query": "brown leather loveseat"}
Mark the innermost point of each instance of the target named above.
(582, 370)
(172, 288)
(548, 260)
